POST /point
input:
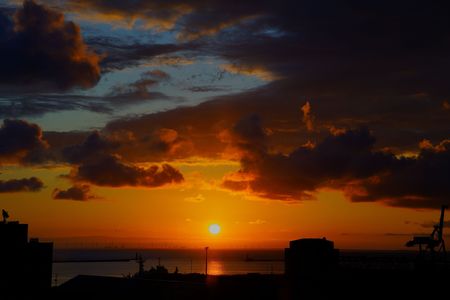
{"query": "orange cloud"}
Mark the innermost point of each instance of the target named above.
(188, 34)
(160, 16)
(427, 145)
(257, 71)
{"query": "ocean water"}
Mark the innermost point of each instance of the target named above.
(220, 262)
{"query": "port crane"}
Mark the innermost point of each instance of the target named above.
(434, 240)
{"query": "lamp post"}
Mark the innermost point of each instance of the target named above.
(206, 261)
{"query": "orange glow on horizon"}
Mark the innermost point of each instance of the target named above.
(166, 217)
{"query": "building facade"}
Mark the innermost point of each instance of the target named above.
(310, 257)
(24, 264)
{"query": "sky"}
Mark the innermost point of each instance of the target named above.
(141, 123)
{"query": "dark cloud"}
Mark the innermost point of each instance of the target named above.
(201, 125)
(14, 105)
(162, 144)
(297, 175)
(369, 63)
(166, 143)
(121, 54)
(93, 157)
(192, 19)
(139, 90)
(207, 88)
(110, 171)
(346, 160)
(40, 50)
(161, 15)
(249, 137)
(58, 140)
(418, 182)
(308, 40)
(373, 64)
(95, 161)
(396, 124)
(76, 192)
(31, 184)
(209, 18)
(18, 139)
(91, 149)
(24, 92)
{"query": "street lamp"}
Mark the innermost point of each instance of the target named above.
(206, 261)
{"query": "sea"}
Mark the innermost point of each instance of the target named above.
(69, 263)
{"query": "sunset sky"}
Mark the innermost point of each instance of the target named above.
(141, 123)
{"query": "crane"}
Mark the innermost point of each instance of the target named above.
(434, 240)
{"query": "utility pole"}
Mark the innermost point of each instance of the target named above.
(206, 261)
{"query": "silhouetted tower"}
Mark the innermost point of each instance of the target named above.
(434, 240)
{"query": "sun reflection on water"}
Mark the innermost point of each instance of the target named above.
(215, 267)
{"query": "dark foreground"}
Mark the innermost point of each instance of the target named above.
(340, 284)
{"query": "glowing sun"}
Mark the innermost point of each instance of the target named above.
(214, 229)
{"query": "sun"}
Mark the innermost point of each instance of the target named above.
(214, 229)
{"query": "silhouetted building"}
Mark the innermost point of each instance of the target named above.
(24, 265)
(306, 257)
